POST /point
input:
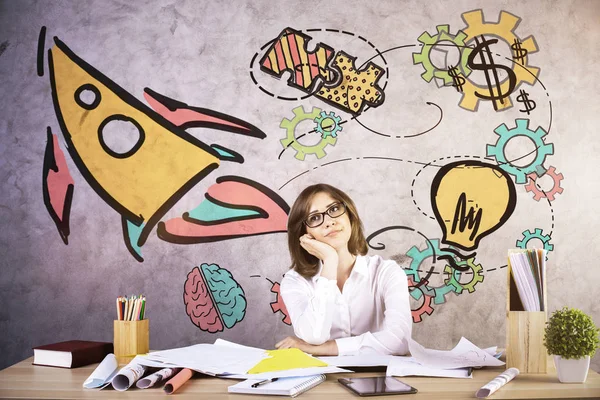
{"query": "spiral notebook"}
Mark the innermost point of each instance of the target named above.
(292, 386)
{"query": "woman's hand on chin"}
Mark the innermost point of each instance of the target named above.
(328, 348)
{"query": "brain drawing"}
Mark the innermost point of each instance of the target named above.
(213, 299)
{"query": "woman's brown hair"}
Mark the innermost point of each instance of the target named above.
(303, 262)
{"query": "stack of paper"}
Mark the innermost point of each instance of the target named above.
(528, 269)
(230, 360)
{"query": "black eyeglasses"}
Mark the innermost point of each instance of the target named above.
(316, 219)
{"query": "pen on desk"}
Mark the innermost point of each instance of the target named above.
(257, 384)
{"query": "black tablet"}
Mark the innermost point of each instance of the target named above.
(377, 386)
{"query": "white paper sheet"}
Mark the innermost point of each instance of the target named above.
(369, 360)
(465, 354)
(207, 358)
(103, 374)
(408, 366)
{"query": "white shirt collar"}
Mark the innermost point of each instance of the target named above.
(360, 266)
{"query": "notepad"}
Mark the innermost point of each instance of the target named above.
(292, 386)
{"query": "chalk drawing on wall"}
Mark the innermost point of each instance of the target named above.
(278, 306)
(538, 192)
(443, 43)
(423, 300)
(57, 186)
(213, 299)
(234, 207)
(323, 123)
(145, 175)
(470, 200)
(332, 77)
(518, 71)
(521, 129)
(536, 234)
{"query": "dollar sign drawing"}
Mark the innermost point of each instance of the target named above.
(458, 80)
(527, 102)
(520, 52)
(482, 49)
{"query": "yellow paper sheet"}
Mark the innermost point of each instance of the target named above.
(284, 359)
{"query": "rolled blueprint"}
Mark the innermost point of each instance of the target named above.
(497, 383)
(128, 375)
(151, 379)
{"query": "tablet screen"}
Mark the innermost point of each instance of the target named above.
(377, 385)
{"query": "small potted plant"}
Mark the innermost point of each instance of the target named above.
(572, 337)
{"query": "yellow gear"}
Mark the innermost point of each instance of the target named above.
(503, 30)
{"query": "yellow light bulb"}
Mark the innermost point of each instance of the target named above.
(471, 199)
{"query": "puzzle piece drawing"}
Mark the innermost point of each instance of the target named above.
(353, 89)
(288, 53)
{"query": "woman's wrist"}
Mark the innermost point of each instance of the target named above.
(329, 269)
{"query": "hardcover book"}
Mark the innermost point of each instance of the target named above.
(71, 354)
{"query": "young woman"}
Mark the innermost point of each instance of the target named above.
(341, 301)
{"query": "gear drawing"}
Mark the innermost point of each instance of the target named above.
(537, 193)
(425, 308)
(504, 31)
(470, 286)
(290, 140)
(330, 130)
(521, 129)
(418, 257)
(537, 234)
(279, 305)
(429, 42)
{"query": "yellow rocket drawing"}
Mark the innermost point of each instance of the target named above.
(145, 181)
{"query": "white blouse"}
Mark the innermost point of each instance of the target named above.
(371, 313)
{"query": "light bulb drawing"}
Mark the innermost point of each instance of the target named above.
(470, 200)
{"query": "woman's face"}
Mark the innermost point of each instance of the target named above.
(333, 231)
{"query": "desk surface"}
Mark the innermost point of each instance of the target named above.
(27, 381)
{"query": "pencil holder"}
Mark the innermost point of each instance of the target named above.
(130, 339)
(525, 348)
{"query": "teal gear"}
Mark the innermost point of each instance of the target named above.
(537, 234)
(330, 131)
(290, 140)
(521, 129)
(429, 41)
(470, 286)
(418, 257)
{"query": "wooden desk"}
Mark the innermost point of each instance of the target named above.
(26, 381)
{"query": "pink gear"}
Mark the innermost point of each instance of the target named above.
(537, 193)
(425, 307)
(279, 305)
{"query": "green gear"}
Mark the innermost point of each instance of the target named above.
(522, 129)
(470, 286)
(429, 41)
(290, 140)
